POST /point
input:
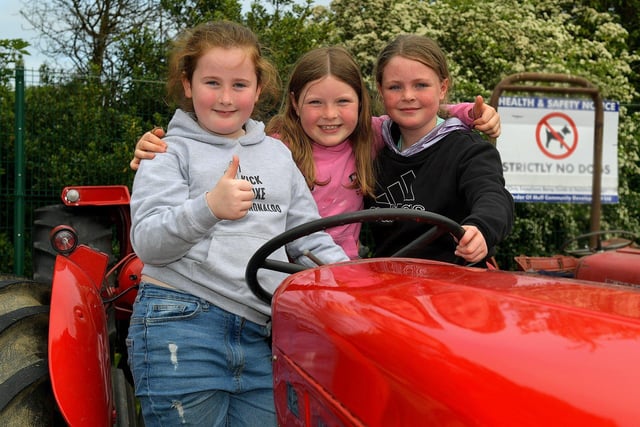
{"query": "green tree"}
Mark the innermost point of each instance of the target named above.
(11, 52)
(623, 11)
(288, 31)
(185, 14)
(142, 59)
(85, 32)
(365, 27)
(81, 132)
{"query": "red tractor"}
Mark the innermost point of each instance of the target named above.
(376, 342)
(62, 351)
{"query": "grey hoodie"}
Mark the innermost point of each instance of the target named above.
(183, 244)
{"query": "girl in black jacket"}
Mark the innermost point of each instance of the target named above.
(428, 163)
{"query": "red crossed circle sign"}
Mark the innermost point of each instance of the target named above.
(557, 135)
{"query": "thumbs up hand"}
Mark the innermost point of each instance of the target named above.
(231, 198)
(487, 118)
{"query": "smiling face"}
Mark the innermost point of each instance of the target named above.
(328, 109)
(224, 90)
(411, 93)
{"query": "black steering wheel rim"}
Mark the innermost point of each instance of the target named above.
(588, 250)
(441, 225)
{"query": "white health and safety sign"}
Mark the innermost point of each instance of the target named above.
(546, 145)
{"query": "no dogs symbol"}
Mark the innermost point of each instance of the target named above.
(557, 135)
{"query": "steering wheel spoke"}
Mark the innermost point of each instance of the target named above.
(282, 266)
(421, 241)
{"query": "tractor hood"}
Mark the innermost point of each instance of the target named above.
(400, 342)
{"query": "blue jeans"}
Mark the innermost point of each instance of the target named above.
(197, 365)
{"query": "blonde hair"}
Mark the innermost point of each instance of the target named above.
(192, 44)
(314, 65)
(417, 48)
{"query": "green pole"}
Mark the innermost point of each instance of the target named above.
(19, 206)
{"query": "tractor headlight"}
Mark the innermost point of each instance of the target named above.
(64, 239)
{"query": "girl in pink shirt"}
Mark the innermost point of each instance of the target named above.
(326, 122)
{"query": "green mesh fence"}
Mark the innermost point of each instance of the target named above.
(75, 130)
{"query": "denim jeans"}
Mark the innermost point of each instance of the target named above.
(197, 365)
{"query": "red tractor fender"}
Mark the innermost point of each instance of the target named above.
(618, 267)
(79, 359)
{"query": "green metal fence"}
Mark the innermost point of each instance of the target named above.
(60, 129)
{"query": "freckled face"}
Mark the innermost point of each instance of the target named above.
(411, 93)
(224, 89)
(328, 110)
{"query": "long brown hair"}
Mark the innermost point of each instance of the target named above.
(189, 47)
(314, 65)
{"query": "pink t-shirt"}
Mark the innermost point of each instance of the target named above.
(337, 167)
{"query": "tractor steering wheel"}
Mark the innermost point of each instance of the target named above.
(441, 225)
(607, 246)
